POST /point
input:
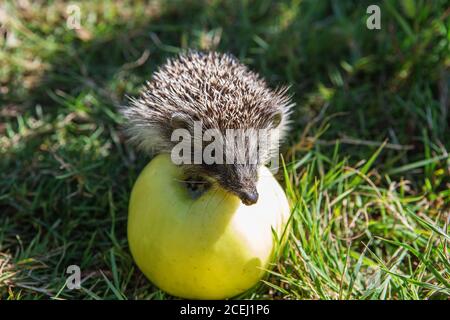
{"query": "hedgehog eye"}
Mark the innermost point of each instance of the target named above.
(276, 120)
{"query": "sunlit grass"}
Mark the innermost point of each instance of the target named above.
(367, 164)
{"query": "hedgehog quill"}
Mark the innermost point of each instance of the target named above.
(222, 94)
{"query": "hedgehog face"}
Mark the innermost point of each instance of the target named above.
(239, 179)
(221, 93)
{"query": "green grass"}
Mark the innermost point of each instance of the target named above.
(369, 219)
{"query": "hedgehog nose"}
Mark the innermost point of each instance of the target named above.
(249, 198)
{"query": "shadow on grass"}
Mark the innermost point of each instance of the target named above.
(68, 170)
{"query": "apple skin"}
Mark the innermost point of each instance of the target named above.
(212, 247)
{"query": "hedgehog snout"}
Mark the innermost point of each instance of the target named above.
(246, 193)
(243, 183)
(249, 197)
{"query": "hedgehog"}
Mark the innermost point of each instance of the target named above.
(219, 92)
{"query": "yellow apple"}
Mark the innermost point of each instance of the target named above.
(211, 247)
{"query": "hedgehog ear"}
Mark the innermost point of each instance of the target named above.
(276, 120)
(180, 121)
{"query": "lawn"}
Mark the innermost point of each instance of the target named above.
(367, 169)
